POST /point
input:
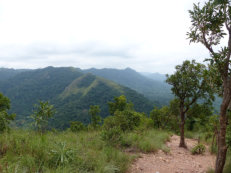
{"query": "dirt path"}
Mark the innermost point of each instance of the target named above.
(179, 160)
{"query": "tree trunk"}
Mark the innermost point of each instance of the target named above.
(182, 140)
(222, 148)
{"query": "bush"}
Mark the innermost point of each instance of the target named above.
(125, 120)
(198, 149)
(77, 126)
(112, 136)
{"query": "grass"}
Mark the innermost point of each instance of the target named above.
(228, 163)
(227, 168)
(67, 152)
(148, 141)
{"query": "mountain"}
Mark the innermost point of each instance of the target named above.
(6, 73)
(88, 90)
(71, 91)
(155, 90)
(26, 88)
(155, 76)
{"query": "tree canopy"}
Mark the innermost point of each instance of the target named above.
(189, 83)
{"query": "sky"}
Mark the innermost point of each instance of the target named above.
(146, 35)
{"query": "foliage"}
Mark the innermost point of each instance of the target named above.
(27, 151)
(61, 155)
(210, 25)
(198, 116)
(42, 113)
(112, 136)
(124, 116)
(5, 118)
(164, 118)
(189, 83)
(227, 167)
(119, 104)
(121, 122)
(128, 120)
(95, 117)
(198, 149)
(155, 90)
(61, 86)
(147, 141)
(77, 126)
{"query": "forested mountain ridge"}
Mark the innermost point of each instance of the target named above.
(88, 90)
(6, 73)
(155, 90)
(71, 91)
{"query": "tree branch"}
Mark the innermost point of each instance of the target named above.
(209, 47)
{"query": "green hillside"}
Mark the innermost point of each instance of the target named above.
(155, 90)
(6, 73)
(71, 92)
(73, 103)
(26, 88)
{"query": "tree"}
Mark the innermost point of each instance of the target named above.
(210, 24)
(188, 84)
(120, 104)
(5, 118)
(161, 117)
(76, 126)
(198, 115)
(95, 117)
(42, 113)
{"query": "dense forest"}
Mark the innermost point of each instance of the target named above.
(70, 90)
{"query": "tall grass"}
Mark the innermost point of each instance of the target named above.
(67, 152)
(148, 141)
(24, 151)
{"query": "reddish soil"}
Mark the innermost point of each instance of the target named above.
(178, 160)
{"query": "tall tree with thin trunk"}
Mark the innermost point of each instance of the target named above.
(189, 83)
(211, 23)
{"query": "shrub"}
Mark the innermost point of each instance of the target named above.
(112, 136)
(198, 149)
(125, 120)
(41, 114)
(77, 126)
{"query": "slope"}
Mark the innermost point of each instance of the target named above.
(71, 92)
(27, 88)
(155, 90)
(73, 103)
(6, 73)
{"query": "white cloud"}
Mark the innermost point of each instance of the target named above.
(144, 34)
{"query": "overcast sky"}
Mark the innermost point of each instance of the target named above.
(146, 35)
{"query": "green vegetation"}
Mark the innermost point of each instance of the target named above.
(198, 149)
(69, 90)
(95, 117)
(85, 151)
(143, 141)
(80, 149)
(25, 151)
(189, 83)
(77, 126)
(156, 90)
(5, 118)
(42, 113)
(82, 100)
(210, 26)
